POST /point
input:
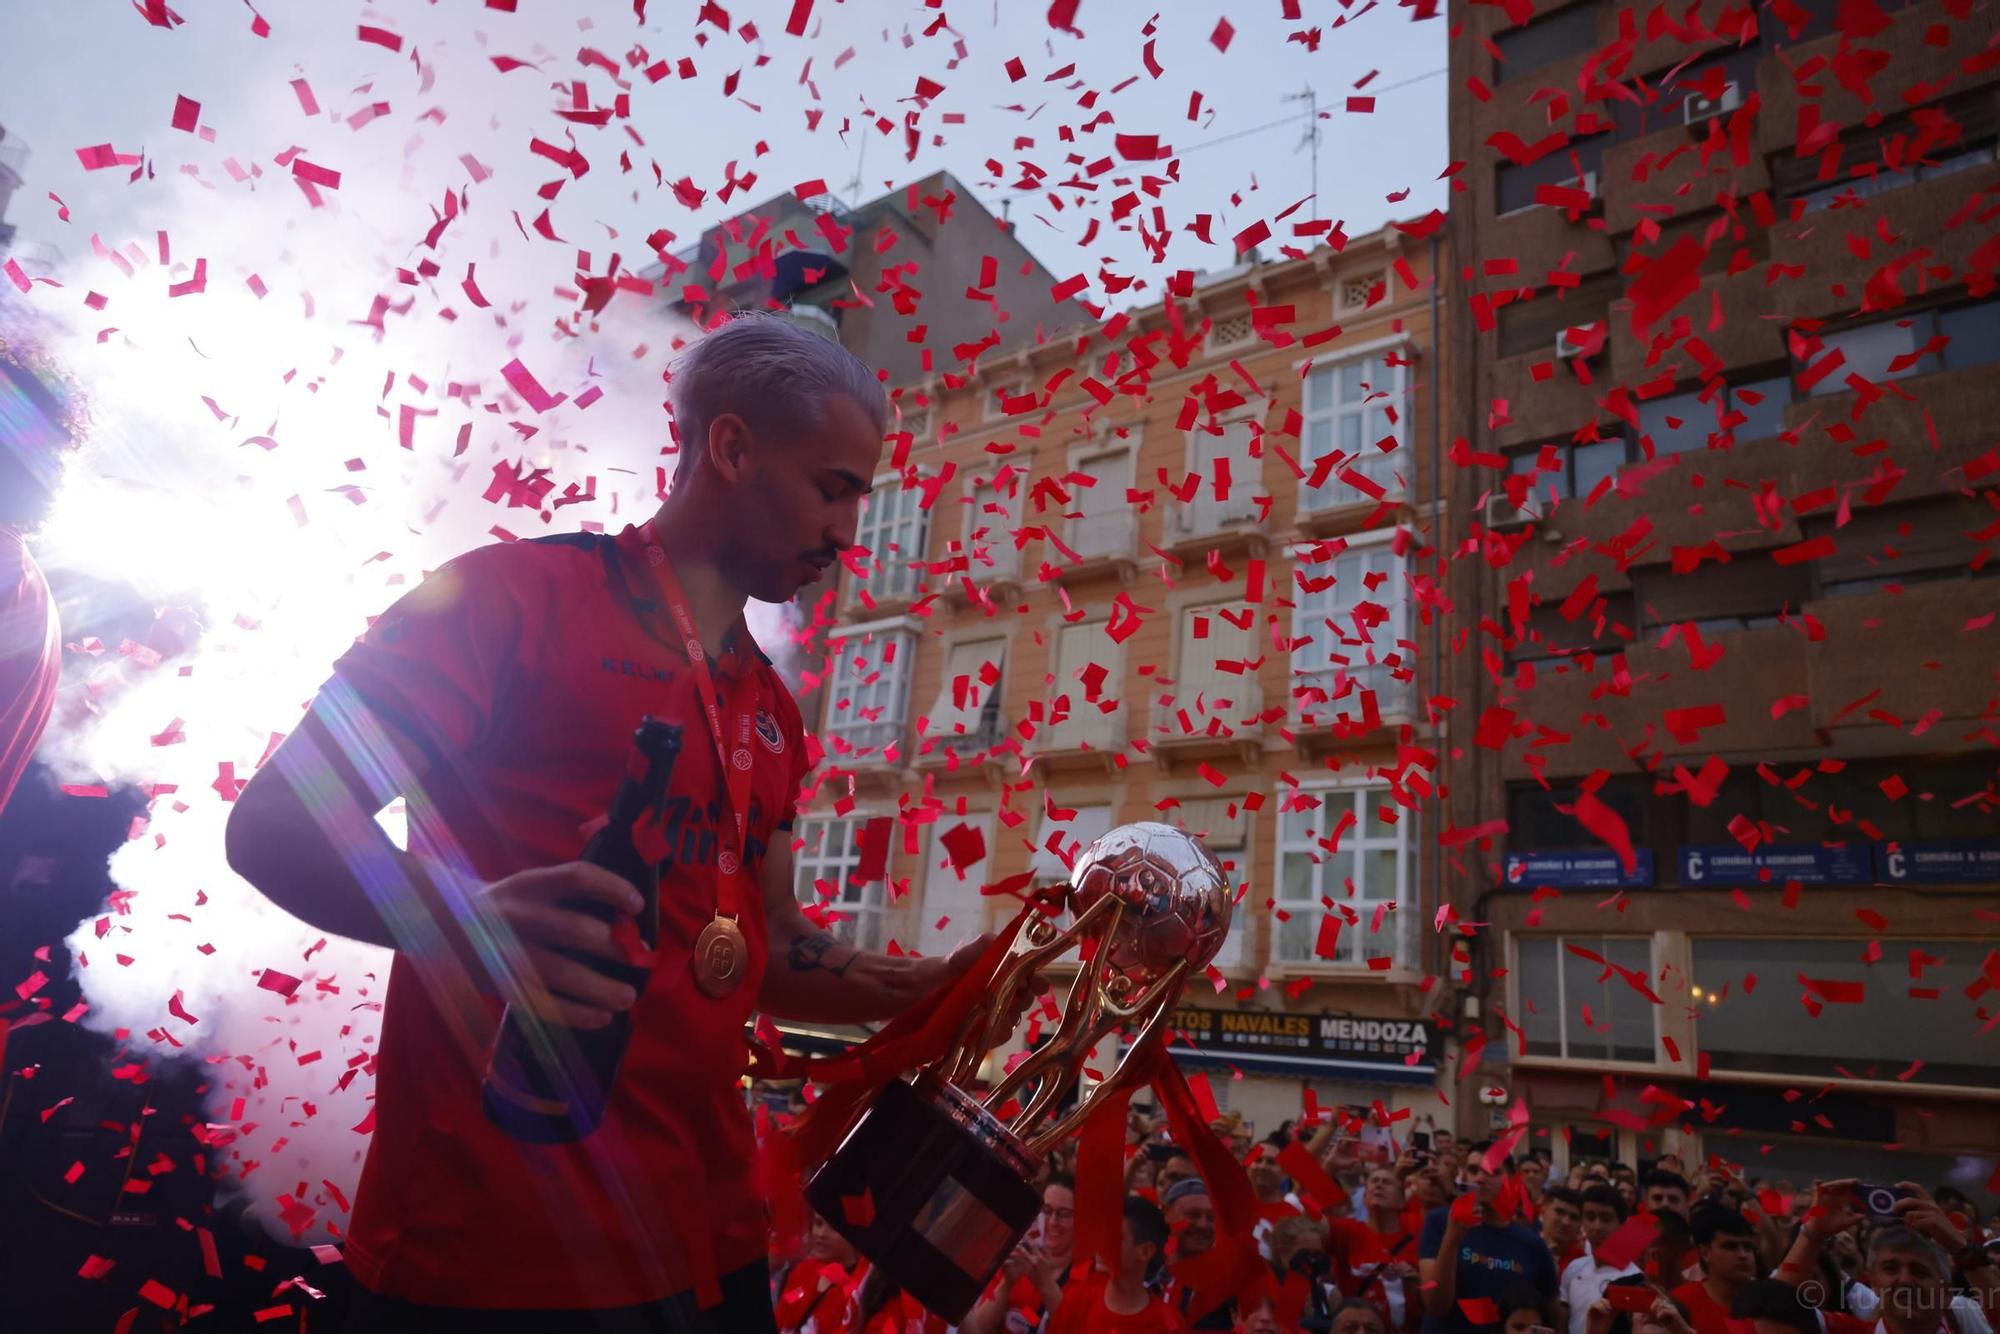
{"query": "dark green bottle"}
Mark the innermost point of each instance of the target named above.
(547, 1083)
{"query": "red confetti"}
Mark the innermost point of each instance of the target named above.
(528, 387)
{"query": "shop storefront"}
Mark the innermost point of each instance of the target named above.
(1259, 1063)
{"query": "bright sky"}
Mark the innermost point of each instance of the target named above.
(77, 75)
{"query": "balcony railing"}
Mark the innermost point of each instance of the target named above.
(993, 558)
(1393, 697)
(1205, 516)
(1088, 728)
(1296, 941)
(989, 731)
(866, 737)
(1228, 712)
(1104, 536)
(1335, 493)
(895, 579)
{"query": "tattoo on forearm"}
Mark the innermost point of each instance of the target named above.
(810, 951)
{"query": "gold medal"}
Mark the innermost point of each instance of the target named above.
(720, 954)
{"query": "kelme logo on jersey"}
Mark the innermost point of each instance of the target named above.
(768, 733)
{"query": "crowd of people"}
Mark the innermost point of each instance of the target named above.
(1455, 1238)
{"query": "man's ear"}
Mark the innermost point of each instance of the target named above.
(728, 446)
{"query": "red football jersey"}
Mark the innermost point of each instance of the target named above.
(523, 670)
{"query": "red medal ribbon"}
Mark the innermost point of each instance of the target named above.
(735, 763)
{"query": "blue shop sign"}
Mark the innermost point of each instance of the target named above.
(1807, 863)
(1595, 868)
(1962, 861)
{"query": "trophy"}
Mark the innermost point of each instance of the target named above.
(930, 1183)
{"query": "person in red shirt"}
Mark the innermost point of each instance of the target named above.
(1120, 1302)
(817, 1294)
(887, 1309)
(1534, 1173)
(501, 697)
(1376, 1256)
(1727, 1244)
(1031, 1280)
(34, 434)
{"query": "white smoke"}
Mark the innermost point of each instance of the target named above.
(245, 465)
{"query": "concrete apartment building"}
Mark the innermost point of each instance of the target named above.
(1078, 607)
(1806, 765)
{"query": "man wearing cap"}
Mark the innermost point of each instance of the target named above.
(1191, 1217)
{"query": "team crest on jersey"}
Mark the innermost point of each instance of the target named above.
(768, 733)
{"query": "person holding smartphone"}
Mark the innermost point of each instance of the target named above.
(1633, 1306)
(1376, 1254)
(1909, 1263)
(1029, 1286)
(1586, 1277)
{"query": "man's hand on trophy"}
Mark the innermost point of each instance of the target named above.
(927, 975)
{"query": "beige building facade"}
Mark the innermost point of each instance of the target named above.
(1160, 570)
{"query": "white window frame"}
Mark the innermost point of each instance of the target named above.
(1518, 1011)
(1184, 641)
(967, 918)
(1104, 507)
(1192, 815)
(1203, 513)
(1045, 866)
(1367, 460)
(1311, 611)
(1086, 722)
(862, 914)
(944, 719)
(898, 573)
(844, 681)
(990, 409)
(1357, 942)
(982, 489)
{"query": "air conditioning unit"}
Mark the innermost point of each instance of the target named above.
(1695, 107)
(1501, 514)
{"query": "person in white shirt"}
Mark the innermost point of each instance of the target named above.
(1584, 1279)
(1909, 1264)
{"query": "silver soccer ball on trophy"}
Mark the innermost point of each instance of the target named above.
(1177, 899)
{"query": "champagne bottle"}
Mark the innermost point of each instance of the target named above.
(547, 1083)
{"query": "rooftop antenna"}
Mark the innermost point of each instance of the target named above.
(860, 158)
(1310, 139)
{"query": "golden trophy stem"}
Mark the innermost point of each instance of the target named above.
(1159, 997)
(961, 1061)
(1080, 1014)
